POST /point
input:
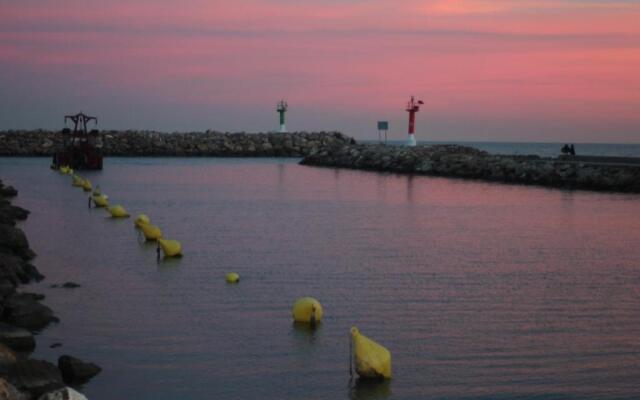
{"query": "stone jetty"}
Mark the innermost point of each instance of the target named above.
(23, 315)
(605, 174)
(150, 143)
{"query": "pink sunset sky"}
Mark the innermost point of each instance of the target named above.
(504, 70)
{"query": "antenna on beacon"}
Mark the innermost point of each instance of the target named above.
(413, 106)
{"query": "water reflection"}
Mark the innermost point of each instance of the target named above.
(281, 177)
(168, 262)
(366, 389)
(305, 334)
(410, 189)
(507, 289)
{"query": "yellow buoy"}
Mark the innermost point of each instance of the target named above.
(77, 181)
(307, 310)
(101, 200)
(232, 277)
(150, 231)
(118, 211)
(86, 185)
(372, 361)
(141, 219)
(171, 248)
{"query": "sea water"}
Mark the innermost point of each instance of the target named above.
(479, 290)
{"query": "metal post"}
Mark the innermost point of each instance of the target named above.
(282, 109)
(413, 107)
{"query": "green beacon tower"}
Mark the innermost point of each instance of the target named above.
(282, 109)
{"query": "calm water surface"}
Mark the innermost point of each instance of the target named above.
(480, 291)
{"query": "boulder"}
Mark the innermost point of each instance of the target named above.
(7, 358)
(7, 287)
(9, 392)
(35, 376)
(17, 338)
(15, 270)
(13, 240)
(65, 393)
(75, 370)
(11, 212)
(70, 285)
(7, 191)
(23, 310)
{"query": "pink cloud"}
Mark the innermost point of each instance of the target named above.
(479, 58)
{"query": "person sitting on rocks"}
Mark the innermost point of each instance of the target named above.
(565, 149)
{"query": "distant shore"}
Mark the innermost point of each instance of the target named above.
(189, 144)
(614, 174)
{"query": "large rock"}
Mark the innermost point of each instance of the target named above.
(9, 213)
(13, 212)
(9, 392)
(7, 358)
(75, 370)
(63, 394)
(25, 311)
(14, 269)
(17, 338)
(7, 191)
(35, 376)
(13, 240)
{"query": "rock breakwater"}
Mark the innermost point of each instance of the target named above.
(22, 315)
(150, 143)
(467, 162)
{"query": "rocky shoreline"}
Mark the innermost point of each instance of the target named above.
(22, 315)
(469, 163)
(151, 143)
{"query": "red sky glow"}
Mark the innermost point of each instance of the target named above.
(506, 70)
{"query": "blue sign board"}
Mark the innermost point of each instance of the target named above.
(383, 125)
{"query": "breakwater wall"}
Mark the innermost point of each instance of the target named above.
(467, 162)
(149, 143)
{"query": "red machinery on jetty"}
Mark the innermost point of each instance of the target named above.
(82, 149)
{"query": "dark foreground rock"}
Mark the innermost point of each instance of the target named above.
(7, 191)
(9, 392)
(66, 393)
(35, 376)
(14, 241)
(7, 358)
(149, 143)
(25, 311)
(466, 162)
(75, 370)
(17, 338)
(19, 310)
(66, 285)
(10, 213)
(16, 271)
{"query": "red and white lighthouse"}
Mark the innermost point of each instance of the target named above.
(413, 107)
